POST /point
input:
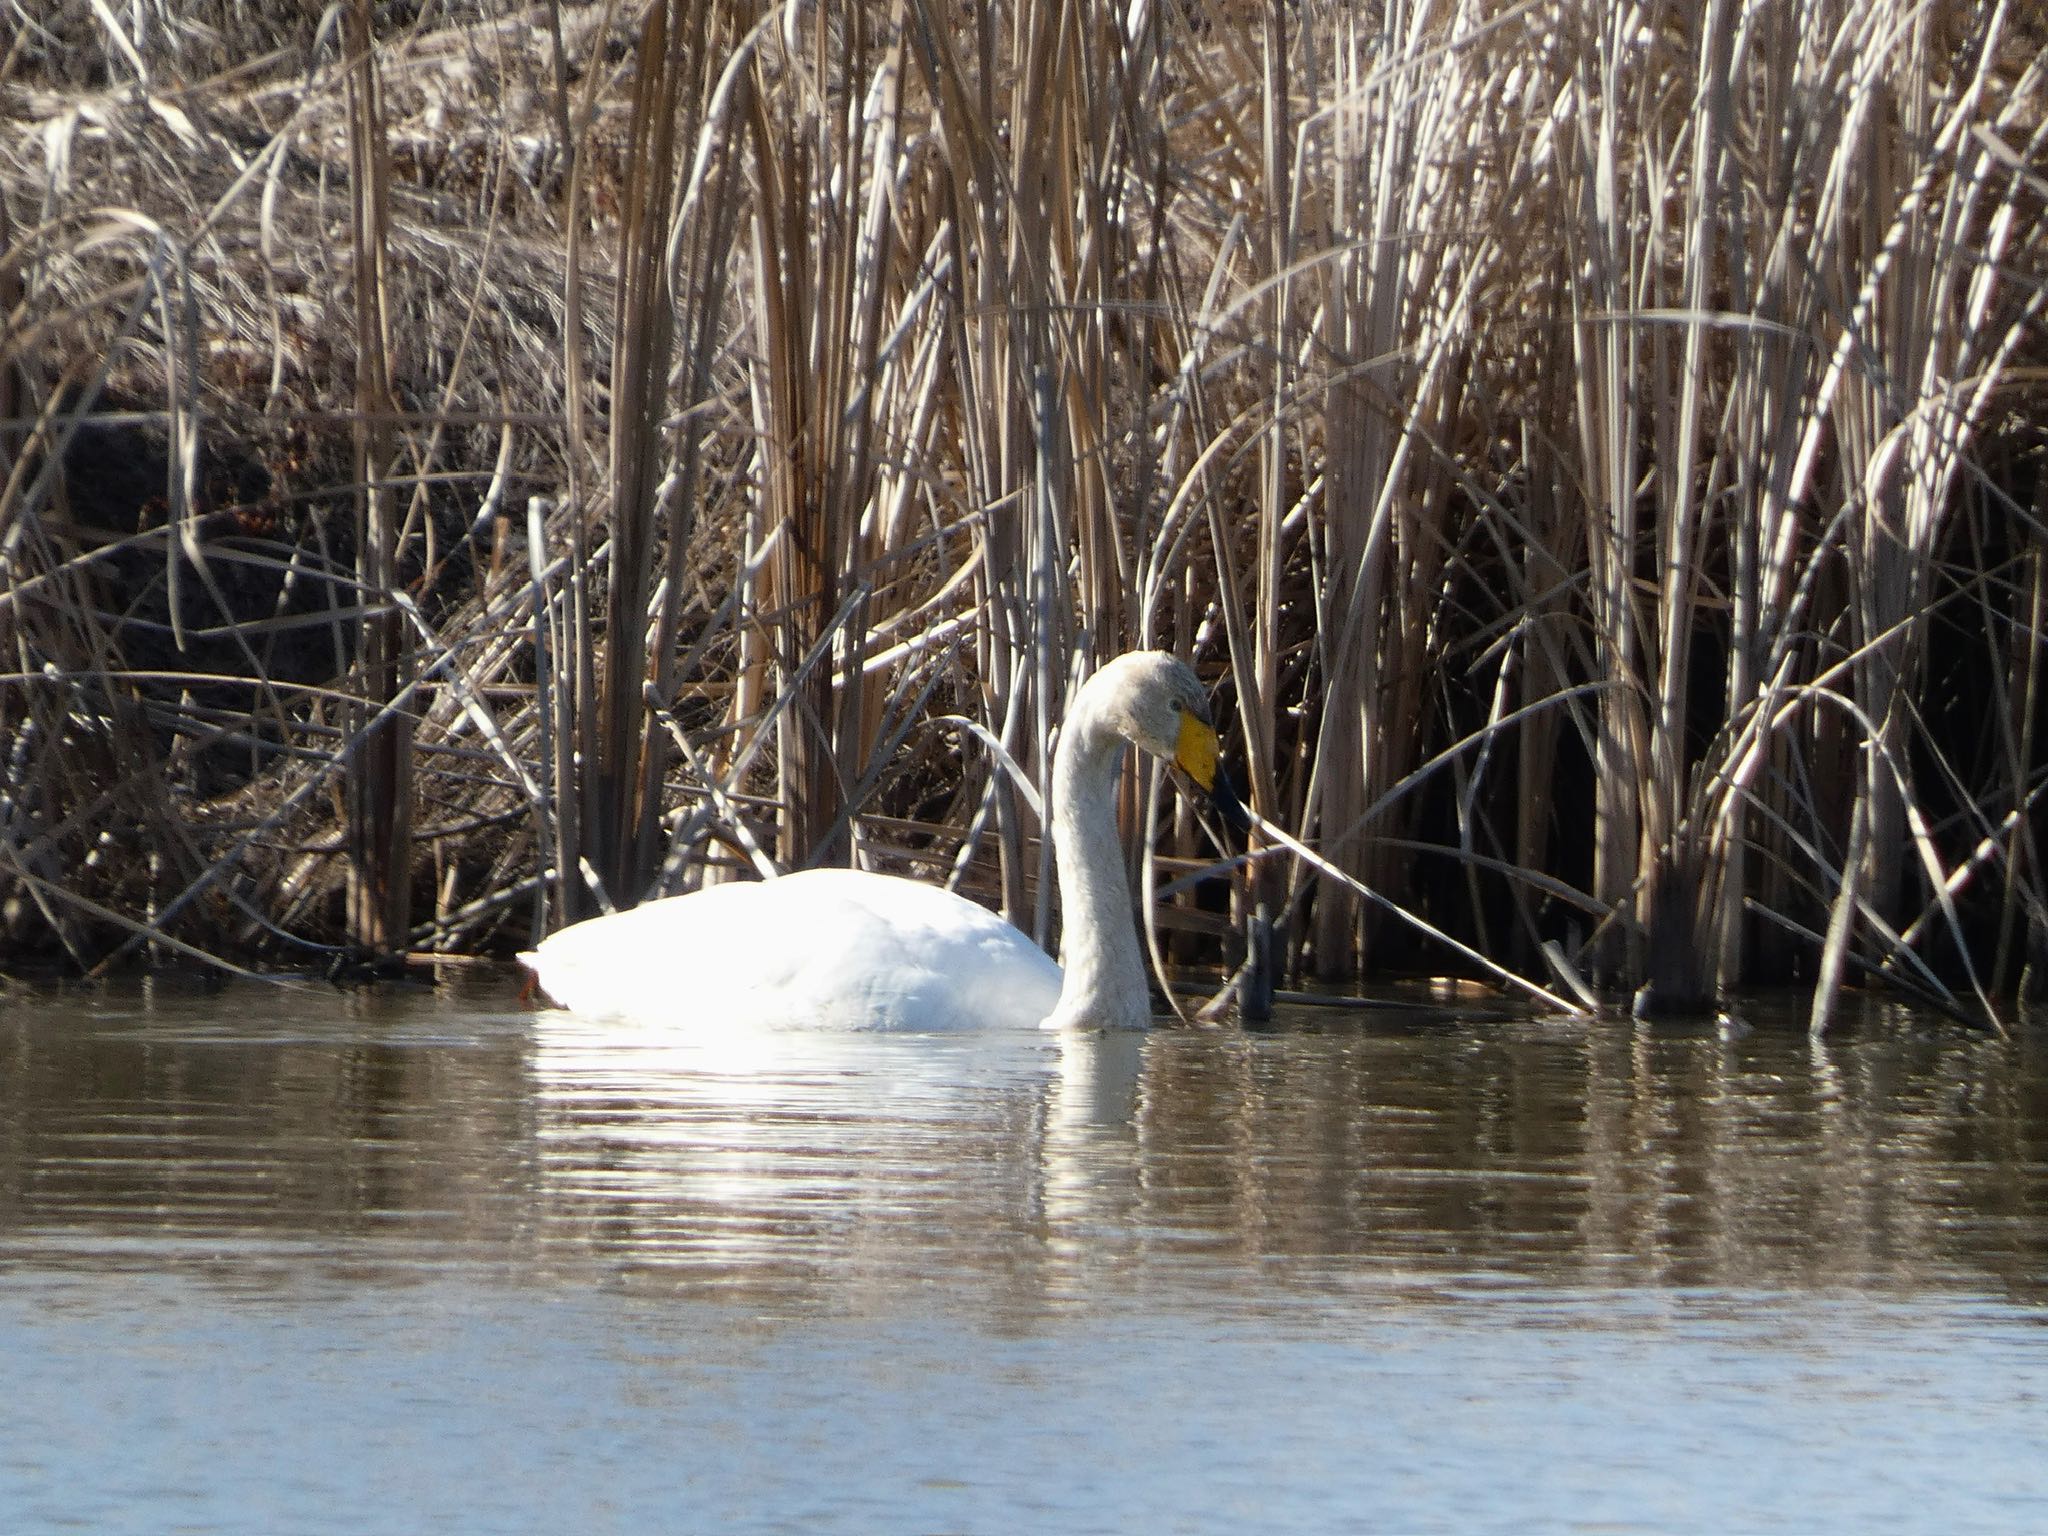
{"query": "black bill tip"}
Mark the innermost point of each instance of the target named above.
(1223, 795)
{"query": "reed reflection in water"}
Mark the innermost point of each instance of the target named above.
(262, 1251)
(443, 1126)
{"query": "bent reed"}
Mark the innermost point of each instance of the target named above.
(467, 464)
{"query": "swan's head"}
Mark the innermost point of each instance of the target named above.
(1155, 701)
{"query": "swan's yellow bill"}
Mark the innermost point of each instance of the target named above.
(1196, 753)
(1196, 750)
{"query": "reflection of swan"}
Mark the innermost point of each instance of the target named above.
(783, 1151)
(1096, 1086)
(851, 949)
(872, 1158)
(1087, 1157)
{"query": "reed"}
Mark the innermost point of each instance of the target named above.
(1596, 450)
(379, 744)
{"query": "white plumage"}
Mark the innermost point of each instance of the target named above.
(847, 949)
(835, 948)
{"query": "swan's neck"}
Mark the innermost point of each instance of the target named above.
(1103, 985)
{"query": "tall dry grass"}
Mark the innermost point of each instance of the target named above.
(1596, 450)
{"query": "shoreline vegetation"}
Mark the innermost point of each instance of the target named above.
(465, 464)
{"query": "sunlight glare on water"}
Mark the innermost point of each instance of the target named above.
(412, 1259)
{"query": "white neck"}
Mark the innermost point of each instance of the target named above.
(1103, 986)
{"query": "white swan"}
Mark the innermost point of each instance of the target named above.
(841, 948)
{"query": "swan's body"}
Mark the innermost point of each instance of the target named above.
(840, 948)
(837, 948)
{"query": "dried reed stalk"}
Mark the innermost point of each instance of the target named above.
(380, 763)
(1595, 446)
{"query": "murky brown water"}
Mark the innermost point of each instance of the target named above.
(416, 1259)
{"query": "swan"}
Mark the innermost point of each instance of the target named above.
(851, 949)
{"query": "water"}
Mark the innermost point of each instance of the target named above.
(415, 1260)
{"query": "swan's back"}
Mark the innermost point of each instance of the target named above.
(826, 948)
